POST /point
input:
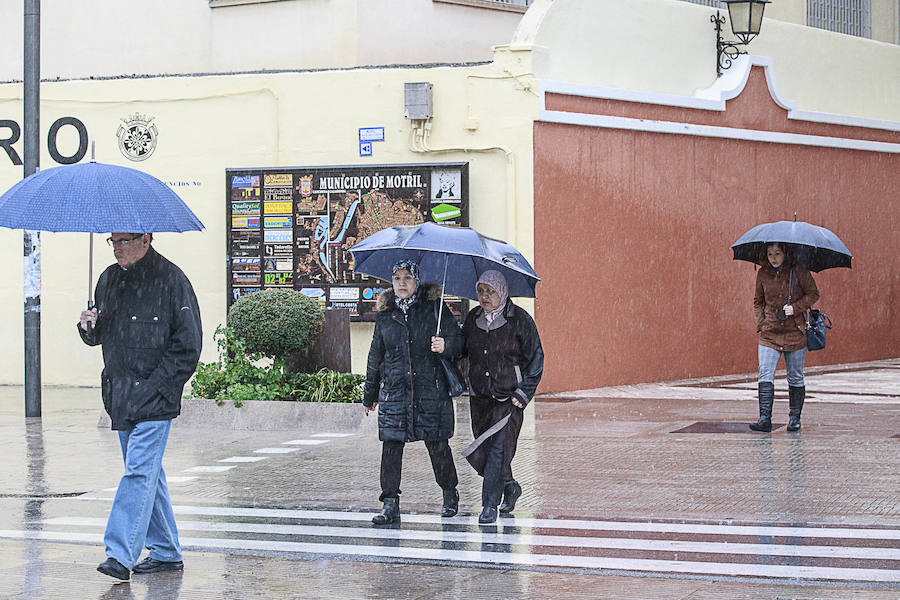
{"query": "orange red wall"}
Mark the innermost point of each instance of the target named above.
(633, 232)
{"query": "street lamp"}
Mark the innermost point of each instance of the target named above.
(746, 19)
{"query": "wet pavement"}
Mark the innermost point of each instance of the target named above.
(646, 491)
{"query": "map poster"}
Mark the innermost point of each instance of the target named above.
(300, 222)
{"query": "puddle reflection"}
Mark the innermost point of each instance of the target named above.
(33, 511)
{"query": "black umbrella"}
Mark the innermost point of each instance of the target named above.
(814, 247)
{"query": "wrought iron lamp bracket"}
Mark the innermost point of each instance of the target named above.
(726, 51)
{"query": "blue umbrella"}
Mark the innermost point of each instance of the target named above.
(95, 198)
(814, 247)
(456, 256)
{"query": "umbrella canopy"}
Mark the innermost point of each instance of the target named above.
(95, 198)
(456, 256)
(814, 247)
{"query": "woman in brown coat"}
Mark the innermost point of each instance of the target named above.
(784, 291)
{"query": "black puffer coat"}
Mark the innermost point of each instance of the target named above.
(149, 326)
(404, 376)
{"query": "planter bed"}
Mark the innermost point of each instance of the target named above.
(257, 415)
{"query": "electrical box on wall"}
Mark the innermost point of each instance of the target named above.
(417, 100)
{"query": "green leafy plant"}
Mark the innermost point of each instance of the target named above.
(275, 322)
(240, 375)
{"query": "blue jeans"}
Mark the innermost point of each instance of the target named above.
(793, 362)
(142, 512)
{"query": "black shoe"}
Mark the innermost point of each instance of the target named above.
(511, 493)
(151, 565)
(114, 568)
(389, 513)
(488, 515)
(451, 503)
(764, 424)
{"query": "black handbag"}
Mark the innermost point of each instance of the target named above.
(816, 325)
(456, 383)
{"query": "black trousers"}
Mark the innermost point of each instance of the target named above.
(392, 465)
(486, 412)
(494, 471)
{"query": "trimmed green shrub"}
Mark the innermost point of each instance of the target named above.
(275, 322)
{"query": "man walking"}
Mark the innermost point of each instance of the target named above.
(148, 323)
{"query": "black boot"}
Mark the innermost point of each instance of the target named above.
(766, 399)
(389, 513)
(511, 493)
(796, 395)
(451, 503)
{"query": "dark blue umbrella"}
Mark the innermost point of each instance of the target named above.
(95, 198)
(456, 256)
(814, 247)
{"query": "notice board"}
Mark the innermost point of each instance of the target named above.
(293, 227)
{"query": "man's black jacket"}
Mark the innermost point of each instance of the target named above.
(149, 326)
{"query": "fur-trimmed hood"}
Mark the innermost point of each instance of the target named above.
(432, 291)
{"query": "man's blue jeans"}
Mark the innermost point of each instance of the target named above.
(142, 512)
(793, 362)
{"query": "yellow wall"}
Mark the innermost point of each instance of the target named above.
(208, 124)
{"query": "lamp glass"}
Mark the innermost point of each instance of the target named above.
(739, 14)
(746, 17)
(756, 16)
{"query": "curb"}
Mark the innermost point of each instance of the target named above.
(259, 415)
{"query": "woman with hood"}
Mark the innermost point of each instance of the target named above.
(784, 292)
(506, 362)
(405, 382)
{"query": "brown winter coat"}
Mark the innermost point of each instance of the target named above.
(772, 294)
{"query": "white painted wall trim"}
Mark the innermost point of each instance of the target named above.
(589, 91)
(729, 86)
(755, 135)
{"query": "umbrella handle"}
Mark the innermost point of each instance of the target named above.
(89, 325)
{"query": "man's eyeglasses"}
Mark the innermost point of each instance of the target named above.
(121, 243)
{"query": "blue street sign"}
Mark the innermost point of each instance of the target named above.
(365, 148)
(371, 134)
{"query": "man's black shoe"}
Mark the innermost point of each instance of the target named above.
(114, 568)
(488, 515)
(151, 565)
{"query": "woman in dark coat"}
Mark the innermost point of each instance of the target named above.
(406, 383)
(506, 362)
(784, 291)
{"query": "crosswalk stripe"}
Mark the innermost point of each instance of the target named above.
(505, 558)
(701, 547)
(873, 533)
(694, 528)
